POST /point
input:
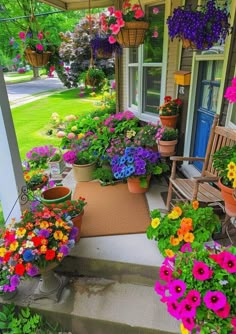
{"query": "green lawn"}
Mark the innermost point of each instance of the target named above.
(14, 77)
(32, 119)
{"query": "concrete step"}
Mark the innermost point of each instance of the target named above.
(100, 306)
(129, 259)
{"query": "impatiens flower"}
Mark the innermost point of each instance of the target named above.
(215, 300)
(194, 297)
(201, 271)
(224, 311)
(165, 273)
(177, 288)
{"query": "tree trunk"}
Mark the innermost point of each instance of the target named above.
(36, 73)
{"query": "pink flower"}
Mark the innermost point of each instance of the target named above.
(111, 39)
(12, 40)
(230, 93)
(194, 297)
(118, 14)
(201, 271)
(111, 10)
(155, 10)
(224, 311)
(215, 300)
(160, 289)
(39, 47)
(155, 34)
(120, 22)
(71, 135)
(187, 310)
(233, 322)
(60, 134)
(173, 308)
(229, 262)
(165, 273)
(22, 35)
(115, 28)
(139, 13)
(186, 248)
(177, 288)
(188, 323)
(40, 35)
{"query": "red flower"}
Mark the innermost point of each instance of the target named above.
(19, 269)
(37, 241)
(50, 254)
(6, 256)
(167, 98)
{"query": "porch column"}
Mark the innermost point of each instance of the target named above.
(11, 176)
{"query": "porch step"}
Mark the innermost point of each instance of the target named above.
(126, 259)
(100, 306)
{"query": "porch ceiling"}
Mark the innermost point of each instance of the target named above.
(78, 4)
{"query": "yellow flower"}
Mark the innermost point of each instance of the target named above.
(183, 329)
(2, 251)
(174, 241)
(65, 238)
(231, 175)
(231, 166)
(14, 245)
(80, 135)
(169, 253)
(74, 128)
(20, 232)
(234, 183)
(173, 215)
(58, 235)
(43, 249)
(44, 224)
(130, 134)
(155, 222)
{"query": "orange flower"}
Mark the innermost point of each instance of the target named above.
(169, 253)
(174, 241)
(186, 224)
(189, 237)
(195, 205)
(178, 210)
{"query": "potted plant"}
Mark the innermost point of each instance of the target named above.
(169, 111)
(39, 156)
(102, 48)
(201, 27)
(104, 175)
(37, 48)
(224, 161)
(56, 164)
(94, 77)
(146, 136)
(166, 140)
(137, 164)
(184, 225)
(127, 26)
(35, 179)
(72, 210)
(198, 288)
(37, 244)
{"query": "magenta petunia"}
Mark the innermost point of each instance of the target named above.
(187, 310)
(160, 289)
(201, 271)
(173, 308)
(188, 323)
(229, 262)
(186, 248)
(194, 297)
(165, 273)
(224, 311)
(215, 300)
(177, 288)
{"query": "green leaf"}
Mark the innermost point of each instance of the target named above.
(3, 316)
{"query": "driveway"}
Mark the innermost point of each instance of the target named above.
(22, 92)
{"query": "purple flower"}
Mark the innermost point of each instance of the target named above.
(15, 281)
(33, 271)
(43, 233)
(177, 288)
(215, 300)
(186, 248)
(74, 232)
(64, 250)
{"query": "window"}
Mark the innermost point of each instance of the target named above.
(145, 67)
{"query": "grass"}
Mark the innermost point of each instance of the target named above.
(32, 120)
(1, 217)
(14, 77)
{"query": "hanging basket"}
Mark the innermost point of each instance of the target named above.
(132, 34)
(37, 59)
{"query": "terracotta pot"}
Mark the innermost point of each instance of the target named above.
(167, 148)
(83, 172)
(134, 185)
(229, 197)
(169, 121)
(55, 195)
(77, 221)
(132, 34)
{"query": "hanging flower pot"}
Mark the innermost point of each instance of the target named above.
(132, 34)
(37, 59)
(102, 49)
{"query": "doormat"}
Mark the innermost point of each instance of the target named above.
(112, 210)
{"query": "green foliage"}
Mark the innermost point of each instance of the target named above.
(146, 135)
(169, 134)
(221, 160)
(23, 321)
(94, 77)
(185, 224)
(104, 174)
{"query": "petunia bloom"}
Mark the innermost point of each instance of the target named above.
(215, 300)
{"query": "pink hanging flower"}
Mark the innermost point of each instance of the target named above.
(155, 34)
(155, 10)
(201, 271)
(40, 35)
(224, 311)
(111, 39)
(230, 93)
(215, 300)
(22, 35)
(177, 288)
(39, 47)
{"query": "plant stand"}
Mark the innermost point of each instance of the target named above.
(50, 286)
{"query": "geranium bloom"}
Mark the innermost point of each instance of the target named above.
(50, 254)
(215, 300)
(201, 271)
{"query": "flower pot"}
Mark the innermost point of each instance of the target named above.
(134, 185)
(55, 195)
(56, 167)
(169, 121)
(102, 54)
(167, 148)
(83, 172)
(132, 34)
(77, 221)
(229, 197)
(37, 59)
(39, 186)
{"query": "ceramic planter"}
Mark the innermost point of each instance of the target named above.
(169, 121)
(55, 195)
(134, 185)
(56, 167)
(77, 221)
(83, 172)
(167, 148)
(229, 197)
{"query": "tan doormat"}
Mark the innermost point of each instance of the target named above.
(112, 210)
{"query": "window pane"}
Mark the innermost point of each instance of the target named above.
(218, 70)
(233, 115)
(153, 46)
(214, 98)
(133, 80)
(151, 89)
(133, 55)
